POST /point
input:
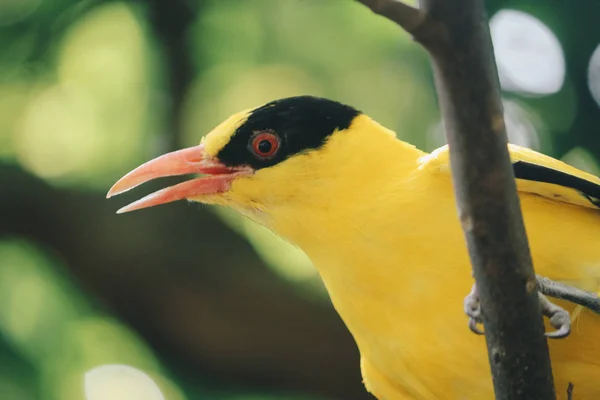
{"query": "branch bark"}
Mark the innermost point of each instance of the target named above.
(456, 35)
(407, 17)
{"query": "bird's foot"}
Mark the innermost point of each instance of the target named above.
(559, 317)
(473, 310)
(577, 296)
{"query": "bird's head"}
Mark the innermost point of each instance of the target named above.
(290, 154)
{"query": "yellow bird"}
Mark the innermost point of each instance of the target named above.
(378, 219)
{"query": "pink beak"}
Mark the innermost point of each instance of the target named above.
(185, 161)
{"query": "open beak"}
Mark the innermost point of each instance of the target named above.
(185, 161)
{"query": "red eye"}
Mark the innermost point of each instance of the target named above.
(265, 144)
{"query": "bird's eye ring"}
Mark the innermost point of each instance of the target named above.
(265, 144)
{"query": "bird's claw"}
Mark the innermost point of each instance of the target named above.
(559, 317)
(473, 310)
(473, 326)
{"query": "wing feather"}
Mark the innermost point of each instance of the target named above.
(539, 174)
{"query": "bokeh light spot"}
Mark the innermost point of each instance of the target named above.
(87, 126)
(594, 75)
(120, 382)
(59, 133)
(529, 56)
(523, 127)
(13, 102)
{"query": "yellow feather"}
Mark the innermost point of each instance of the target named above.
(221, 134)
(378, 219)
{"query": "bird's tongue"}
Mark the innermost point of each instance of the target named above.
(186, 161)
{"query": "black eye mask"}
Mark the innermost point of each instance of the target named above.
(299, 124)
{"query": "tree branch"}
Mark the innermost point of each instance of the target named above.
(407, 17)
(458, 40)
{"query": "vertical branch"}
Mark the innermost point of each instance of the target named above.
(488, 206)
(456, 34)
(170, 21)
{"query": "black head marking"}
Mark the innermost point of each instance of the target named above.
(301, 123)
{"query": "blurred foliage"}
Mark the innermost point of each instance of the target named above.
(55, 331)
(84, 97)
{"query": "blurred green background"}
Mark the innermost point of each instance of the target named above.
(210, 305)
